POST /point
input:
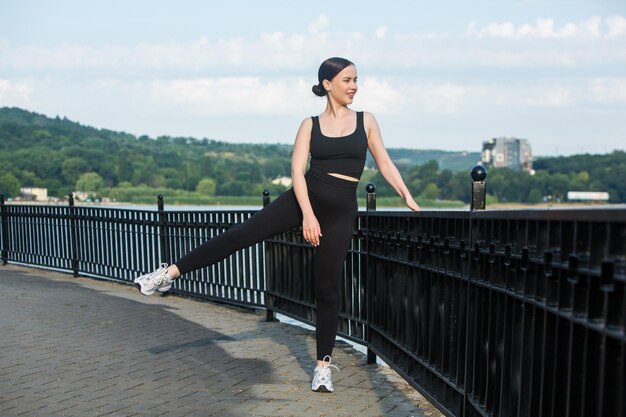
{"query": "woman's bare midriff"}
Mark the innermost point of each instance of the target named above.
(343, 177)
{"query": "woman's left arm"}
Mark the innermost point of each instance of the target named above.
(385, 165)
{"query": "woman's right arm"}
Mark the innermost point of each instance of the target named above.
(299, 159)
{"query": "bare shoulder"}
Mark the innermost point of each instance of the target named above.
(307, 123)
(304, 131)
(369, 122)
(368, 116)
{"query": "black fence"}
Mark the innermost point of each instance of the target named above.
(487, 313)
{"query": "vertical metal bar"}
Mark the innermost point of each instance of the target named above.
(88, 253)
(238, 275)
(28, 236)
(44, 253)
(165, 256)
(370, 206)
(118, 260)
(46, 237)
(34, 236)
(131, 246)
(101, 232)
(55, 230)
(4, 223)
(227, 279)
(74, 246)
(103, 223)
(148, 234)
(269, 299)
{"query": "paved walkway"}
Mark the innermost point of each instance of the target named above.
(84, 347)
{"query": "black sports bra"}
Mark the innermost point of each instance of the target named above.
(340, 155)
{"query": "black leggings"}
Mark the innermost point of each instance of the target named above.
(334, 204)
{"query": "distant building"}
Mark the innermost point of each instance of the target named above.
(588, 196)
(512, 153)
(84, 195)
(33, 194)
(284, 181)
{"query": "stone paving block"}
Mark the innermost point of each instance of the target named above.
(84, 347)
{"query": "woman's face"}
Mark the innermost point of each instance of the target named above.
(342, 87)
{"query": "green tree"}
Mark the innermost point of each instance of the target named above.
(431, 191)
(89, 181)
(206, 187)
(54, 186)
(534, 196)
(460, 186)
(29, 179)
(232, 188)
(9, 185)
(72, 168)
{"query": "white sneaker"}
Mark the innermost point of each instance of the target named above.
(322, 377)
(154, 281)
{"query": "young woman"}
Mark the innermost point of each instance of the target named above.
(322, 201)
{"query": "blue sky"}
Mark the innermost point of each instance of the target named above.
(436, 74)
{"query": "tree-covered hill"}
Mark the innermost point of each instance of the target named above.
(54, 152)
(64, 156)
(450, 160)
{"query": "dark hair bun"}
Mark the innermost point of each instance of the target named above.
(328, 70)
(318, 90)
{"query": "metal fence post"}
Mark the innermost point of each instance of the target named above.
(266, 197)
(478, 202)
(370, 205)
(5, 231)
(479, 188)
(165, 256)
(73, 233)
(269, 302)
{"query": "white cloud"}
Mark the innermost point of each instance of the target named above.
(14, 93)
(199, 76)
(407, 96)
(607, 91)
(496, 45)
(233, 95)
(548, 94)
(379, 96)
(592, 26)
(381, 32)
(556, 96)
(443, 98)
(320, 24)
(544, 28)
(617, 26)
(506, 29)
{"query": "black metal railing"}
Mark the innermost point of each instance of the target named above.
(487, 313)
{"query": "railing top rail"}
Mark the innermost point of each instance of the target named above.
(604, 213)
(456, 214)
(169, 209)
(617, 214)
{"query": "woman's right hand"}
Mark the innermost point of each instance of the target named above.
(311, 230)
(410, 203)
